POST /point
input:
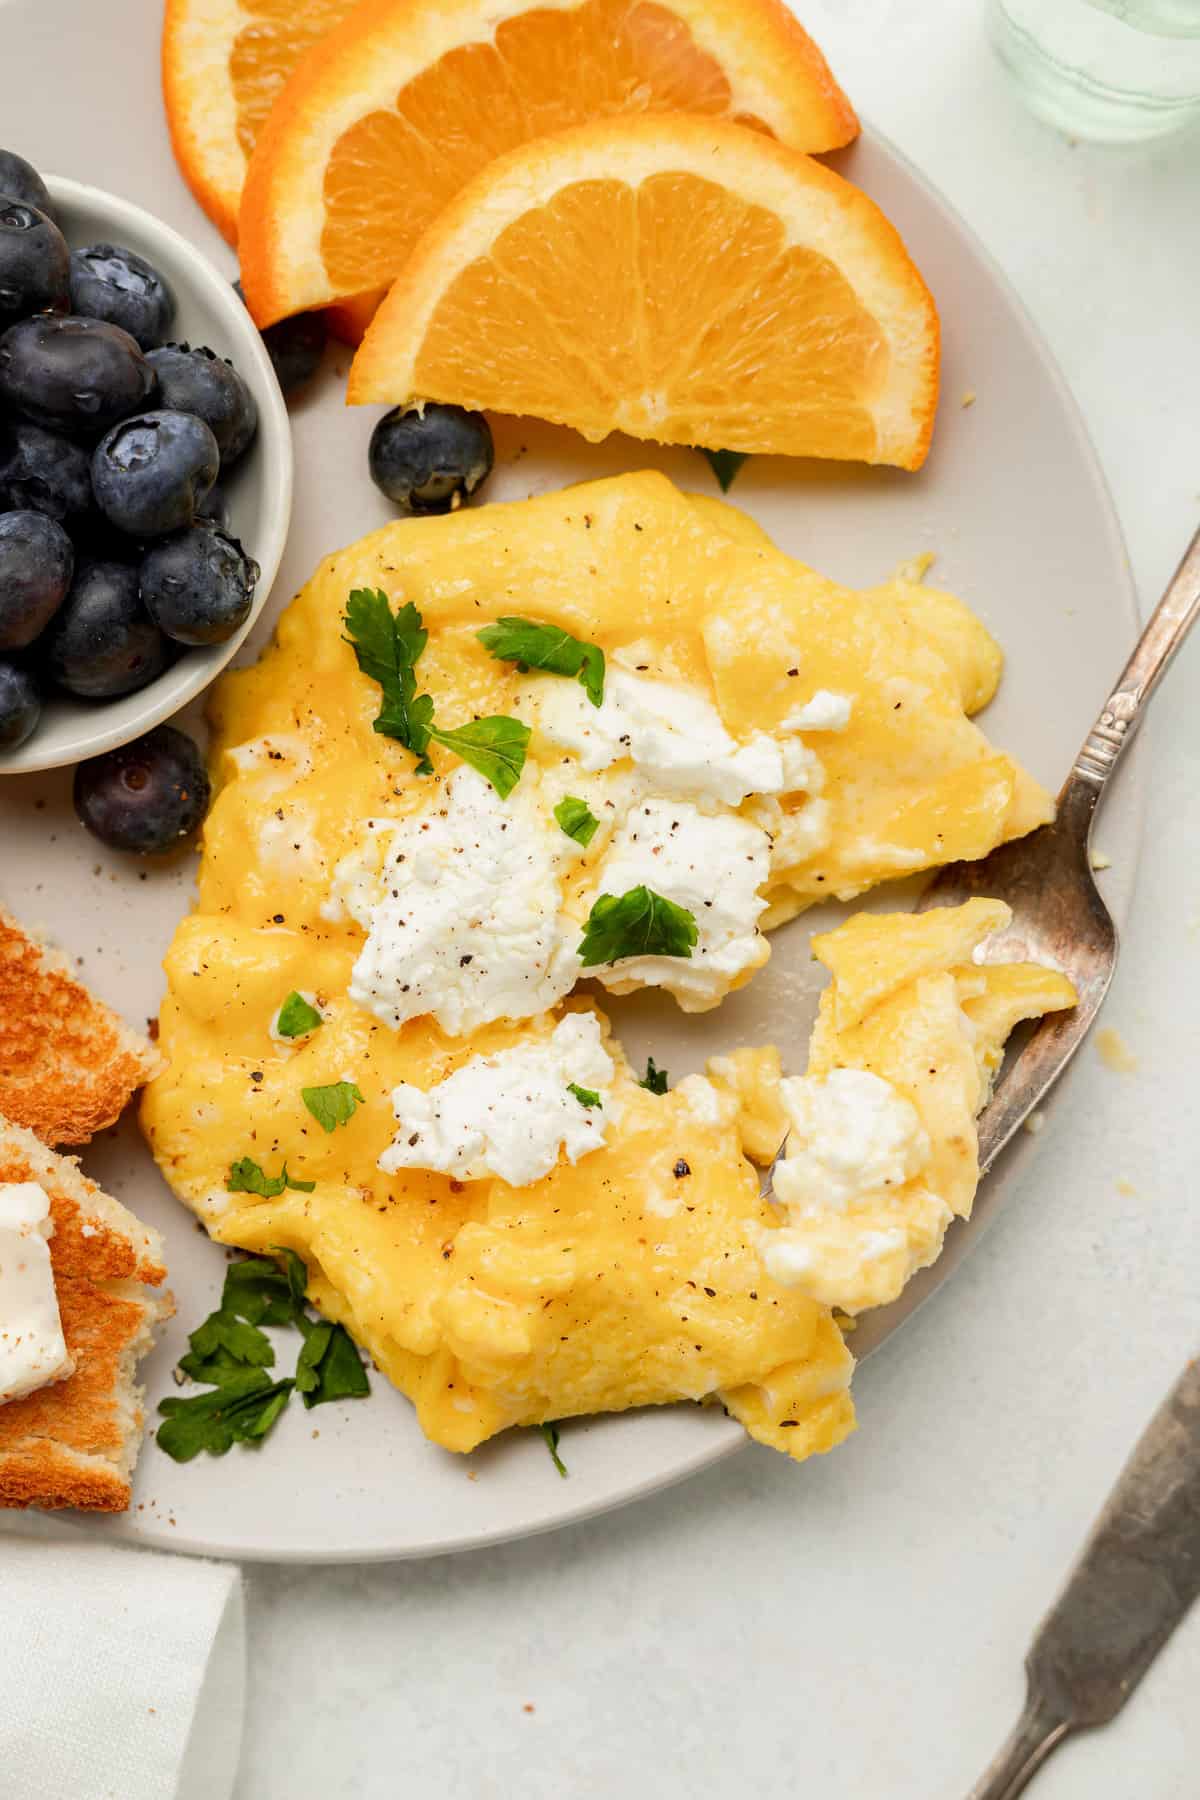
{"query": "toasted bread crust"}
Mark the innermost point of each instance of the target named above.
(68, 1444)
(73, 1443)
(68, 1064)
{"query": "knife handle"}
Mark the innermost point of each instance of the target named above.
(1137, 1576)
(1038, 1731)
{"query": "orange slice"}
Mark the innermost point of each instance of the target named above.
(223, 62)
(390, 116)
(679, 279)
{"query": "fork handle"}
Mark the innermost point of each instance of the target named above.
(1038, 1731)
(1166, 629)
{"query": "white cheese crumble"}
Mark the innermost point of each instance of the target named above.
(824, 712)
(509, 1114)
(33, 1351)
(463, 902)
(707, 1104)
(673, 734)
(853, 1141)
(463, 920)
(850, 1135)
(712, 866)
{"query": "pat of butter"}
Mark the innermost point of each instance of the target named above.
(33, 1350)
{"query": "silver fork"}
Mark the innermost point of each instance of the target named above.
(1058, 917)
(1046, 878)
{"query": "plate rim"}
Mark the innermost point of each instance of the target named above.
(1132, 783)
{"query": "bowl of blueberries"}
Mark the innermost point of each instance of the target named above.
(145, 492)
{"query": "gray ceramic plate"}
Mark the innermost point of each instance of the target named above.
(1014, 506)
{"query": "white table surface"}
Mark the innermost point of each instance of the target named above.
(862, 1621)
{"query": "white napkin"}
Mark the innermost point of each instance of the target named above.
(122, 1673)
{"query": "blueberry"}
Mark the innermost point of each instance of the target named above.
(215, 507)
(200, 382)
(146, 796)
(198, 585)
(35, 264)
(19, 180)
(36, 564)
(41, 472)
(103, 642)
(95, 540)
(295, 346)
(428, 462)
(108, 282)
(149, 472)
(20, 704)
(71, 374)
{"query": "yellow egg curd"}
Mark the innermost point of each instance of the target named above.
(767, 739)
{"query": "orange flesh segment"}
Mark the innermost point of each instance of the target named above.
(266, 52)
(392, 172)
(736, 338)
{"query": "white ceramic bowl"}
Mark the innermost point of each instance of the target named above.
(259, 490)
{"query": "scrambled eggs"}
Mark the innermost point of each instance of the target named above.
(755, 714)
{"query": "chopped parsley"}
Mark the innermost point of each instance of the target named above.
(387, 646)
(550, 1432)
(224, 1340)
(296, 1018)
(585, 1096)
(655, 1078)
(494, 746)
(333, 1105)
(266, 1292)
(328, 1366)
(241, 1410)
(576, 818)
(533, 645)
(230, 1356)
(637, 923)
(725, 465)
(245, 1177)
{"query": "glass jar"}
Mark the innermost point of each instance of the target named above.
(1113, 70)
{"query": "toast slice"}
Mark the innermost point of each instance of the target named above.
(74, 1443)
(68, 1064)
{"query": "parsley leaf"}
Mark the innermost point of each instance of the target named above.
(296, 1018)
(333, 1105)
(577, 819)
(262, 1292)
(655, 1079)
(550, 1432)
(242, 1410)
(245, 1177)
(329, 1367)
(495, 746)
(386, 646)
(224, 1334)
(231, 1356)
(212, 1370)
(638, 923)
(532, 645)
(585, 1096)
(725, 465)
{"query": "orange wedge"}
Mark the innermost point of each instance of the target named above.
(223, 63)
(676, 278)
(392, 114)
